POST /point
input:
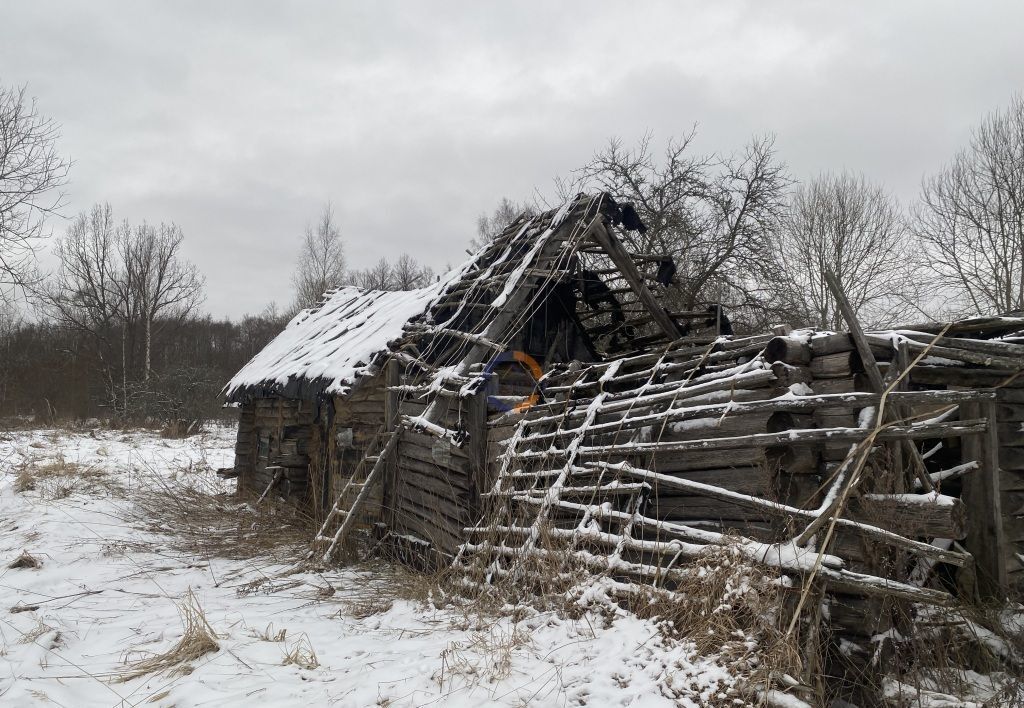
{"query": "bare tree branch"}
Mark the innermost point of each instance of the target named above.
(31, 176)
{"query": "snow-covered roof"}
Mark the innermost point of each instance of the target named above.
(332, 345)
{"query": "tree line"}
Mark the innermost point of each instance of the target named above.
(117, 330)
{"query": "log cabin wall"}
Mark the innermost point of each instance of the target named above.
(274, 436)
(1010, 414)
(435, 489)
(657, 420)
(348, 427)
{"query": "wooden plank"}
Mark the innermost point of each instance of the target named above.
(985, 535)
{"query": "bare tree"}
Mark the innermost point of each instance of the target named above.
(841, 223)
(31, 175)
(716, 215)
(488, 226)
(379, 277)
(159, 282)
(971, 217)
(114, 280)
(408, 274)
(321, 260)
(88, 295)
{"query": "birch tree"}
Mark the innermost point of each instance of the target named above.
(159, 282)
(87, 293)
(321, 263)
(489, 226)
(408, 274)
(380, 276)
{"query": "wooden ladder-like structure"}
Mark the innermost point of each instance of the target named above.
(367, 474)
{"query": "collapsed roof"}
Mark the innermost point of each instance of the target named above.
(558, 278)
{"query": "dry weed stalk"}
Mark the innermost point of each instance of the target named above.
(269, 635)
(25, 481)
(951, 650)
(486, 656)
(301, 654)
(198, 639)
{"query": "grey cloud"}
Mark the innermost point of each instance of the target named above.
(239, 119)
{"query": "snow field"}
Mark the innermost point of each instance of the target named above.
(109, 589)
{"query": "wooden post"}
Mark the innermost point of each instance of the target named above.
(986, 539)
(628, 269)
(867, 357)
(392, 414)
(476, 426)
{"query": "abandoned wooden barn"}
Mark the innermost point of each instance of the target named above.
(884, 464)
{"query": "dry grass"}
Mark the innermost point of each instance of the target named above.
(33, 635)
(58, 478)
(301, 654)
(198, 518)
(729, 610)
(25, 481)
(947, 650)
(198, 639)
(26, 560)
(485, 657)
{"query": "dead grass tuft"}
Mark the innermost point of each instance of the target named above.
(301, 654)
(362, 608)
(269, 635)
(26, 560)
(25, 481)
(57, 478)
(198, 639)
(33, 635)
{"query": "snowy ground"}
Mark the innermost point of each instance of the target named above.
(110, 583)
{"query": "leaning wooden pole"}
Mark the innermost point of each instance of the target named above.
(860, 341)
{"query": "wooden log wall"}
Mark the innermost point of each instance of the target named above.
(436, 483)
(275, 433)
(771, 452)
(346, 437)
(1010, 412)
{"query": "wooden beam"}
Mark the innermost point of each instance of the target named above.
(874, 375)
(986, 538)
(620, 257)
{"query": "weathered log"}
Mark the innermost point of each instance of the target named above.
(861, 616)
(949, 348)
(925, 515)
(786, 374)
(769, 508)
(919, 431)
(930, 375)
(789, 350)
(794, 459)
(838, 365)
(745, 480)
(690, 508)
(850, 384)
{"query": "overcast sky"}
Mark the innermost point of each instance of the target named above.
(238, 120)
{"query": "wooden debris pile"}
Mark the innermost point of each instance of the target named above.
(876, 466)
